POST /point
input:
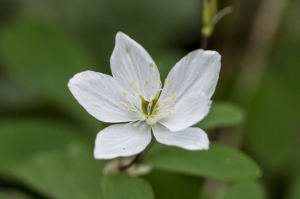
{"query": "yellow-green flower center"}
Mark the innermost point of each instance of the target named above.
(148, 108)
(150, 111)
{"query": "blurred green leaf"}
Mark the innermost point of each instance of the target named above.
(46, 58)
(12, 195)
(222, 114)
(218, 162)
(173, 185)
(72, 173)
(89, 19)
(125, 187)
(271, 121)
(272, 125)
(5, 196)
(294, 190)
(21, 138)
(245, 190)
(14, 95)
(166, 59)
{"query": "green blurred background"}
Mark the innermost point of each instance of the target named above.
(46, 136)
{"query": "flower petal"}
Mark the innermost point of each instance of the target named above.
(190, 138)
(186, 112)
(133, 68)
(120, 140)
(198, 71)
(100, 95)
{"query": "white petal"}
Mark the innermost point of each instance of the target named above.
(190, 138)
(188, 111)
(118, 140)
(100, 95)
(198, 71)
(130, 62)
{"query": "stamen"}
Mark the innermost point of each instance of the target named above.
(151, 109)
(125, 94)
(132, 84)
(137, 123)
(130, 123)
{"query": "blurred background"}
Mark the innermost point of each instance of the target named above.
(46, 137)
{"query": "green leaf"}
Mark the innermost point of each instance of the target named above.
(46, 58)
(270, 126)
(5, 196)
(218, 162)
(12, 195)
(294, 192)
(166, 59)
(273, 117)
(222, 114)
(14, 95)
(173, 185)
(72, 173)
(245, 190)
(125, 187)
(21, 138)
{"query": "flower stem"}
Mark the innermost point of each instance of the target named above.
(204, 42)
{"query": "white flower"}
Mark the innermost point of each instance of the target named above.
(135, 96)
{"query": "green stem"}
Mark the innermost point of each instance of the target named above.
(204, 42)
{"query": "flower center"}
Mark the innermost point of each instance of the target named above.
(150, 111)
(151, 120)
